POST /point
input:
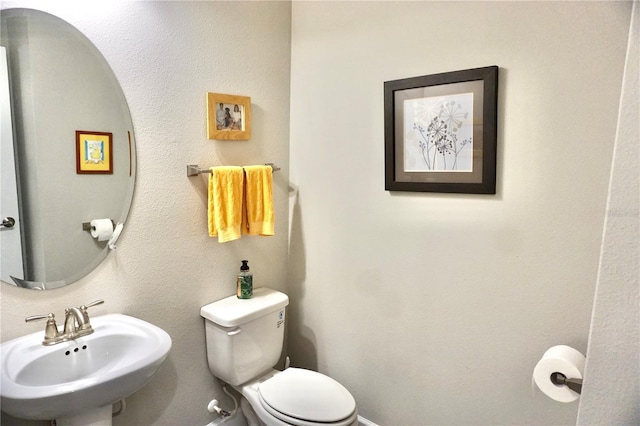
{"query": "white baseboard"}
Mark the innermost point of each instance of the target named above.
(364, 422)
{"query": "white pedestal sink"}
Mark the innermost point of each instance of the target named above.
(76, 382)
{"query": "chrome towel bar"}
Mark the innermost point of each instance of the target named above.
(194, 169)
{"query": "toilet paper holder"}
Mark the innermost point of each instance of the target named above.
(86, 226)
(560, 379)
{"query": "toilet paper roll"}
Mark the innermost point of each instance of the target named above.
(559, 359)
(102, 229)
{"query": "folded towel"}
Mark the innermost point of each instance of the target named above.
(225, 202)
(258, 217)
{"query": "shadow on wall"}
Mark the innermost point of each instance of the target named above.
(9, 420)
(303, 348)
(155, 397)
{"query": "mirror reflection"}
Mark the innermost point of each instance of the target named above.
(59, 168)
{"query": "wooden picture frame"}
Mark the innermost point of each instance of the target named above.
(94, 152)
(228, 117)
(441, 132)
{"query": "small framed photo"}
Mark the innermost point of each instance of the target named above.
(228, 117)
(441, 132)
(94, 152)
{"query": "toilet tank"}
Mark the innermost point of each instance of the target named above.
(244, 337)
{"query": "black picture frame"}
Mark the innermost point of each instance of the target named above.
(441, 132)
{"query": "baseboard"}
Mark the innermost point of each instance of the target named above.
(364, 422)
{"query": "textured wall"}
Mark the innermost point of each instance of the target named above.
(435, 308)
(612, 378)
(167, 55)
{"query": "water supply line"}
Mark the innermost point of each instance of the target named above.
(235, 401)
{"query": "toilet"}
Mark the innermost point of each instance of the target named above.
(244, 339)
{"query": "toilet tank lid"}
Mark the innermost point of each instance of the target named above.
(232, 312)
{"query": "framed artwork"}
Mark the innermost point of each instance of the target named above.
(94, 152)
(228, 117)
(441, 132)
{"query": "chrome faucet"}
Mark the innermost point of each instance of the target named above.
(76, 324)
(74, 321)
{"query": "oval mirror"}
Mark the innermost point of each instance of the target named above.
(73, 150)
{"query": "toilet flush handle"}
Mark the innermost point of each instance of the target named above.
(234, 331)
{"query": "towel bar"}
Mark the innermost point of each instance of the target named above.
(194, 169)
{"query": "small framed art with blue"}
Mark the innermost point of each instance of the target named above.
(94, 152)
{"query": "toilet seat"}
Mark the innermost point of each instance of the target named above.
(306, 398)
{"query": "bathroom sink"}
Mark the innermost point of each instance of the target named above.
(49, 382)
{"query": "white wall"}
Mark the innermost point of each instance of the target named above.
(167, 55)
(612, 377)
(434, 308)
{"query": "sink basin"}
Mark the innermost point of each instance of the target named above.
(50, 382)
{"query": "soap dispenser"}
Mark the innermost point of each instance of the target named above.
(244, 282)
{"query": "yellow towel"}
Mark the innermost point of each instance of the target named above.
(258, 217)
(225, 202)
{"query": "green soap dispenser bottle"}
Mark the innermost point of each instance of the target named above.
(244, 282)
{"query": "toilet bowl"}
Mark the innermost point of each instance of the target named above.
(300, 397)
(244, 341)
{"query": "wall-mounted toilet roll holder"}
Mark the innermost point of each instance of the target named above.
(560, 379)
(111, 238)
(86, 226)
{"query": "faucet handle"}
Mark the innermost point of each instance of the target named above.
(39, 317)
(86, 327)
(94, 303)
(51, 334)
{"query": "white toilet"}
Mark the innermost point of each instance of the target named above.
(244, 342)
